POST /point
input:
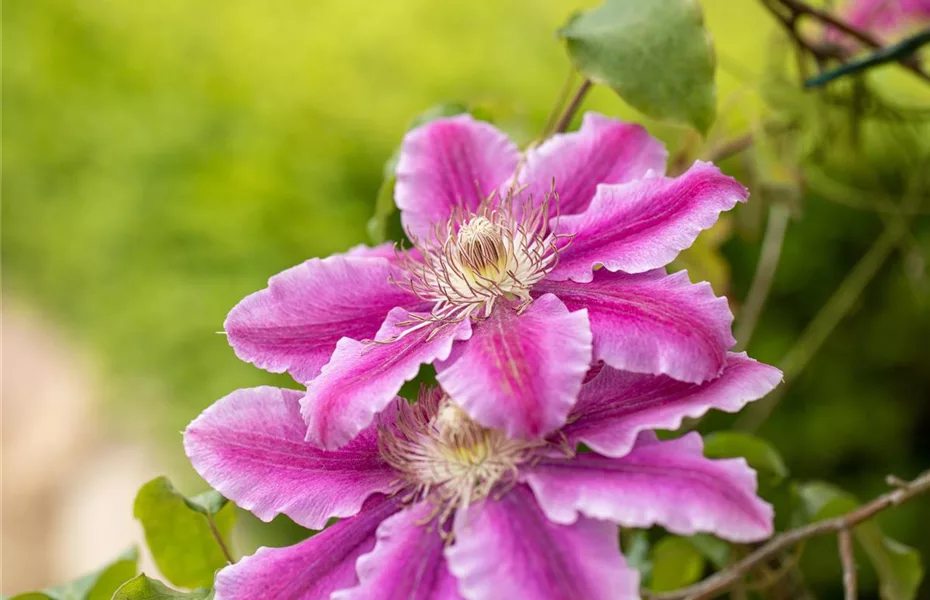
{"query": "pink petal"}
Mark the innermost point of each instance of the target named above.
(602, 151)
(521, 372)
(407, 562)
(293, 324)
(362, 379)
(659, 483)
(250, 446)
(918, 9)
(643, 225)
(879, 17)
(652, 322)
(448, 163)
(309, 570)
(386, 250)
(616, 405)
(507, 548)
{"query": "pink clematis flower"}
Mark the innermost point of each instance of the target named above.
(886, 15)
(504, 281)
(436, 506)
(879, 17)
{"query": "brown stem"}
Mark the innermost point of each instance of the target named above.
(219, 540)
(576, 100)
(723, 580)
(849, 564)
(788, 564)
(729, 148)
(794, 9)
(557, 107)
(800, 8)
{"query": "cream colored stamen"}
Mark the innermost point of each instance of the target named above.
(499, 251)
(446, 457)
(481, 250)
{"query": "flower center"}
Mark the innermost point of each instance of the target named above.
(446, 457)
(481, 251)
(476, 258)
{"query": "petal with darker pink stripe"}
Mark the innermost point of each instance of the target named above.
(643, 225)
(652, 322)
(521, 372)
(363, 378)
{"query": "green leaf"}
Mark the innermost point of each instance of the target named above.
(761, 455)
(208, 503)
(675, 563)
(635, 544)
(656, 55)
(713, 549)
(145, 588)
(899, 567)
(98, 585)
(178, 532)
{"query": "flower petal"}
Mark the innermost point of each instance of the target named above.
(652, 322)
(250, 446)
(659, 483)
(311, 569)
(449, 163)
(507, 548)
(616, 405)
(293, 324)
(603, 151)
(407, 562)
(386, 250)
(521, 372)
(643, 225)
(362, 379)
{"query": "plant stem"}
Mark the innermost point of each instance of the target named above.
(573, 106)
(800, 8)
(797, 8)
(769, 258)
(219, 540)
(723, 580)
(849, 564)
(730, 147)
(830, 315)
(557, 107)
(843, 298)
(897, 52)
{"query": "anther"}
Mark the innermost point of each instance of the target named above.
(481, 248)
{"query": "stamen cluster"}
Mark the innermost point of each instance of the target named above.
(447, 458)
(475, 258)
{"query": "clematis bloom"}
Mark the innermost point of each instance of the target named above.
(883, 18)
(886, 15)
(436, 506)
(525, 268)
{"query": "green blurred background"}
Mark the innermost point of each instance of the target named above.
(163, 159)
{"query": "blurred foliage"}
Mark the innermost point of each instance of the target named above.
(675, 564)
(163, 159)
(759, 454)
(99, 585)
